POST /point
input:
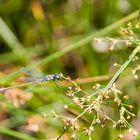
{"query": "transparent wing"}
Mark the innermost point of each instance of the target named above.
(31, 87)
(33, 72)
(29, 79)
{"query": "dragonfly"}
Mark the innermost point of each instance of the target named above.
(35, 80)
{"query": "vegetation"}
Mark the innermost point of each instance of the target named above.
(69, 69)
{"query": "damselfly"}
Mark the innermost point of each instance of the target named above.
(36, 80)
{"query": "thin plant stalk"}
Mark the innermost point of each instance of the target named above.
(71, 47)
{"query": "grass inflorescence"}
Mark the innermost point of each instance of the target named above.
(94, 102)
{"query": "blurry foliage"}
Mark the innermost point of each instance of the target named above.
(33, 30)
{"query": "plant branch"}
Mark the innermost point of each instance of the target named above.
(122, 68)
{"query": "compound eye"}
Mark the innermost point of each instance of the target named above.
(56, 76)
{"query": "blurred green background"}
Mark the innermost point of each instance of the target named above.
(57, 36)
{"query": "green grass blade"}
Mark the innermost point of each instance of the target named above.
(13, 43)
(86, 40)
(16, 134)
(76, 45)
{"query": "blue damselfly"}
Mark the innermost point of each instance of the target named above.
(35, 80)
